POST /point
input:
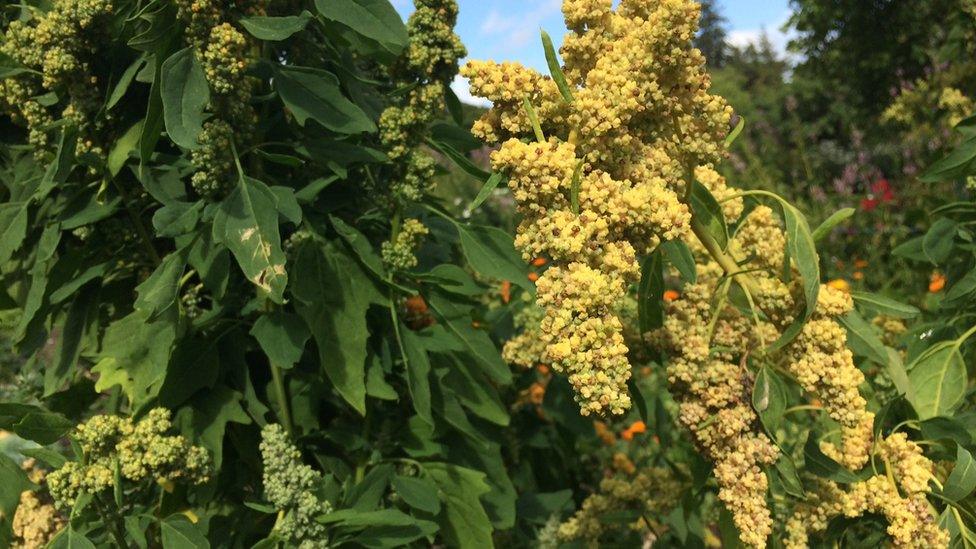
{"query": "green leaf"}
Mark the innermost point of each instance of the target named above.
(473, 391)
(828, 224)
(486, 191)
(574, 187)
(154, 121)
(185, 93)
(786, 470)
(679, 255)
(884, 305)
(333, 295)
(962, 480)
(937, 242)
(10, 67)
(417, 366)
(708, 212)
(803, 251)
(555, 69)
(312, 93)
(275, 28)
(129, 142)
(42, 427)
(955, 164)
(460, 160)
(118, 92)
(938, 378)
(80, 313)
(360, 245)
(135, 355)
(898, 374)
(207, 417)
(862, 339)
(454, 107)
(769, 398)
(13, 228)
(962, 290)
(161, 290)
(282, 337)
(464, 523)
(459, 324)
(418, 493)
(177, 218)
(490, 251)
(821, 465)
(734, 134)
(374, 19)
(179, 533)
(650, 310)
(69, 538)
(193, 365)
(247, 223)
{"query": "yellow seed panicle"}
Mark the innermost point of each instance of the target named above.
(398, 255)
(605, 185)
(36, 520)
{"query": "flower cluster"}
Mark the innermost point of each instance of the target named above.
(399, 254)
(651, 491)
(56, 47)
(290, 486)
(140, 451)
(429, 63)
(526, 349)
(223, 52)
(36, 520)
(605, 185)
(911, 521)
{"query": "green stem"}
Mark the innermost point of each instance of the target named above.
(281, 395)
(726, 261)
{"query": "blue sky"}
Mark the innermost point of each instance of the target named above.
(508, 30)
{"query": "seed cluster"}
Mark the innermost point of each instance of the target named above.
(139, 450)
(290, 486)
(399, 254)
(36, 520)
(605, 185)
(429, 63)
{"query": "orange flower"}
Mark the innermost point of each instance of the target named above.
(543, 369)
(506, 291)
(533, 277)
(671, 295)
(860, 263)
(937, 282)
(604, 432)
(539, 262)
(635, 428)
(536, 393)
(416, 304)
(840, 284)
(858, 275)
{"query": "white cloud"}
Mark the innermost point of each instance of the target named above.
(775, 34)
(462, 90)
(518, 29)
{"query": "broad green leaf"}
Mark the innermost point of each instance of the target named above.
(185, 94)
(13, 481)
(275, 28)
(786, 470)
(453, 279)
(769, 398)
(360, 245)
(898, 374)
(474, 391)
(312, 93)
(207, 416)
(955, 164)
(154, 122)
(490, 185)
(884, 305)
(59, 170)
(177, 218)
(454, 107)
(76, 282)
(282, 337)
(679, 255)
(803, 251)
(43, 261)
(938, 378)
(13, 228)
(333, 295)
(69, 538)
(650, 310)
(937, 242)
(962, 480)
(961, 291)
(418, 493)
(179, 533)
(80, 313)
(135, 354)
(193, 365)
(555, 69)
(417, 366)
(129, 142)
(118, 92)
(376, 384)
(491, 253)
(862, 339)
(821, 465)
(708, 212)
(460, 160)
(46, 456)
(828, 224)
(374, 19)
(287, 204)
(43, 427)
(247, 223)
(161, 290)
(459, 324)
(464, 523)
(10, 67)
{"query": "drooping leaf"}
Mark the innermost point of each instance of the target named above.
(459, 324)
(360, 245)
(862, 339)
(275, 28)
(962, 480)
(13, 228)
(884, 305)
(708, 212)
(820, 464)
(490, 251)
(937, 242)
(679, 255)
(460, 160)
(650, 293)
(418, 493)
(417, 365)
(374, 19)
(769, 398)
(938, 378)
(313, 93)
(185, 94)
(803, 252)
(179, 533)
(955, 164)
(282, 337)
(834, 220)
(464, 523)
(135, 354)
(129, 142)
(555, 69)
(734, 134)
(161, 289)
(69, 538)
(490, 185)
(247, 223)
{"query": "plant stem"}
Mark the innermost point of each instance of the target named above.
(137, 223)
(726, 261)
(281, 395)
(114, 522)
